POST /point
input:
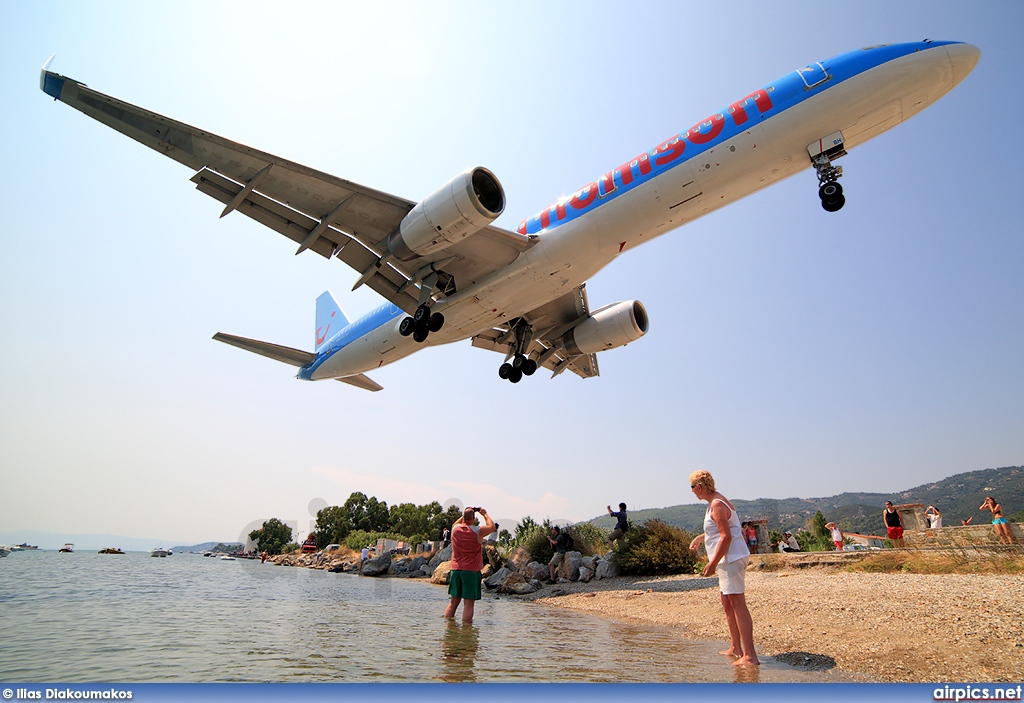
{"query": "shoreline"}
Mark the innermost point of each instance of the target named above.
(907, 628)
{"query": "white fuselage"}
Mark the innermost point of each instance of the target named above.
(770, 150)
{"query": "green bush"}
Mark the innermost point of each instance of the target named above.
(656, 548)
(589, 538)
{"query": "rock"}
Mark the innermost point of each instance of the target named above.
(514, 583)
(536, 570)
(498, 577)
(519, 559)
(607, 568)
(588, 562)
(520, 589)
(378, 566)
(442, 556)
(569, 569)
(441, 573)
(586, 574)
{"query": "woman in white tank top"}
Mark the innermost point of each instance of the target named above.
(728, 556)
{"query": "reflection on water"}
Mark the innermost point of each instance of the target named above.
(458, 652)
(186, 618)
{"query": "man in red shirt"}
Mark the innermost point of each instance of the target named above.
(467, 562)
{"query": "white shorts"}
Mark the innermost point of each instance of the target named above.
(731, 576)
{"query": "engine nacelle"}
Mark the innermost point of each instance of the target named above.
(466, 204)
(612, 326)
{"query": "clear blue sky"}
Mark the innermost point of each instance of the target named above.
(791, 352)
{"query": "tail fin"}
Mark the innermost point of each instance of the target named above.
(329, 319)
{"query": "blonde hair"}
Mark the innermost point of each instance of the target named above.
(704, 480)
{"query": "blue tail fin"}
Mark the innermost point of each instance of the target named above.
(329, 319)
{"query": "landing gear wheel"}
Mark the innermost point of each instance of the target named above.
(834, 204)
(422, 314)
(529, 367)
(830, 191)
(505, 370)
(435, 322)
(407, 327)
(516, 376)
(517, 361)
(420, 335)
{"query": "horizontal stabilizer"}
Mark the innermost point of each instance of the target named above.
(362, 381)
(295, 357)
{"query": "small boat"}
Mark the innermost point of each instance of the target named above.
(68, 548)
(111, 550)
(160, 552)
(4, 551)
(227, 557)
(207, 554)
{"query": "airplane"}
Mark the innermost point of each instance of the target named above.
(448, 274)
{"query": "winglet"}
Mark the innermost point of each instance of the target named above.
(53, 83)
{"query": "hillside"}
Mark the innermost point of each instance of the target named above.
(957, 497)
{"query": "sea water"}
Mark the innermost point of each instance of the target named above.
(87, 617)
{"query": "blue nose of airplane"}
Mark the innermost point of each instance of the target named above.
(963, 58)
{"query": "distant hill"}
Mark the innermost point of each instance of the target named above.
(956, 497)
(208, 546)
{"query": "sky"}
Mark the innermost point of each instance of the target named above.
(791, 352)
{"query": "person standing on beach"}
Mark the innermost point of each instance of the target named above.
(1000, 523)
(728, 557)
(621, 525)
(558, 542)
(467, 562)
(893, 524)
(837, 535)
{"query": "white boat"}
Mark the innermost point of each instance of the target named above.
(4, 551)
(227, 557)
(160, 552)
(68, 548)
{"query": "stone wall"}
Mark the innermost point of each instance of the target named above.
(983, 534)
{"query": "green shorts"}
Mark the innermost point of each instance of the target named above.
(464, 584)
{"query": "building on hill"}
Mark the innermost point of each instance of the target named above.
(868, 541)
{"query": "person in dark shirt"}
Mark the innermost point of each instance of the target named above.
(620, 525)
(893, 524)
(558, 542)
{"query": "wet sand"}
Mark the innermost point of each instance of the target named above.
(875, 627)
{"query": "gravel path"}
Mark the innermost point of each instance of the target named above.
(882, 627)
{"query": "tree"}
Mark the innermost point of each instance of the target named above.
(818, 528)
(272, 537)
(332, 526)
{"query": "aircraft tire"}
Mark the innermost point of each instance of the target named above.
(516, 376)
(420, 335)
(835, 204)
(830, 191)
(505, 370)
(517, 361)
(422, 314)
(529, 367)
(407, 327)
(435, 322)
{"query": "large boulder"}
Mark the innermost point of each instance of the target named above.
(378, 566)
(497, 578)
(569, 569)
(520, 588)
(513, 582)
(401, 567)
(519, 559)
(606, 568)
(442, 573)
(536, 570)
(586, 574)
(442, 556)
(588, 562)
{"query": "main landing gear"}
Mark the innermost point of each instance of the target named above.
(421, 324)
(521, 365)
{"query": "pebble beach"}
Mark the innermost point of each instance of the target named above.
(879, 627)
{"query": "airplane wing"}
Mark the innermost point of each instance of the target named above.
(325, 214)
(550, 321)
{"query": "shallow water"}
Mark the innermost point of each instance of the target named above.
(87, 617)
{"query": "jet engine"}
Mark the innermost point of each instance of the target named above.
(466, 204)
(612, 326)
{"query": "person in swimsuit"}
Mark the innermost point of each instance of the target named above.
(1001, 524)
(728, 557)
(893, 524)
